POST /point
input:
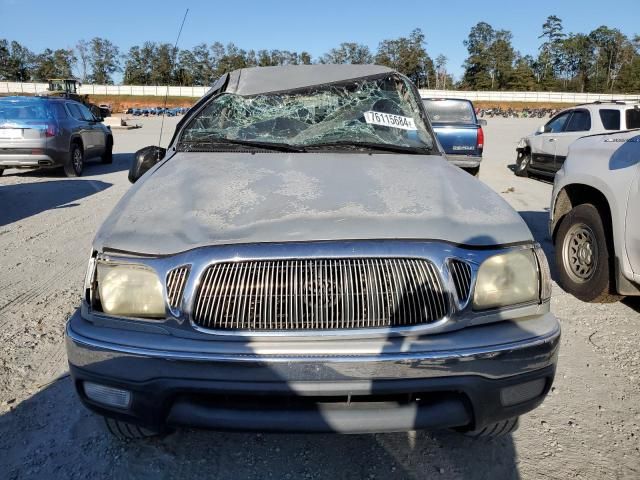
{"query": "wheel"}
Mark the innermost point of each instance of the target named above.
(522, 164)
(495, 430)
(584, 256)
(128, 431)
(107, 156)
(74, 165)
(1, 171)
(475, 171)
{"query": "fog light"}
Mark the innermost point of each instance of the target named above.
(112, 397)
(522, 392)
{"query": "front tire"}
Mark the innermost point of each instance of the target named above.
(584, 257)
(522, 164)
(75, 163)
(128, 431)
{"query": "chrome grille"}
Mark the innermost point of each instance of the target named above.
(461, 274)
(319, 294)
(176, 281)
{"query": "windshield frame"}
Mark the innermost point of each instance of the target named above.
(201, 105)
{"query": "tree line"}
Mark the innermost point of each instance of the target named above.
(604, 60)
(152, 63)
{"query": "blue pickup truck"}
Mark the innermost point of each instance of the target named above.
(458, 130)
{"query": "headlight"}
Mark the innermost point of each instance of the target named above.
(130, 290)
(507, 279)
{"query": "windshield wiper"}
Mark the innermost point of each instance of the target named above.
(201, 145)
(211, 145)
(372, 146)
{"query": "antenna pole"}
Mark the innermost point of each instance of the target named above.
(173, 63)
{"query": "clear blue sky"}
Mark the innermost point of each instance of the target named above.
(302, 25)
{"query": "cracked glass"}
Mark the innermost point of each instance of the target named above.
(364, 113)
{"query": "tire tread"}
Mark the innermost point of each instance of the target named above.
(522, 173)
(600, 288)
(128, 431)
(496, 430)
(69, 169)
(107, 156)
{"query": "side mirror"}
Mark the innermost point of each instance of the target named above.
(541, 129)
(482, 122)
(143, 160)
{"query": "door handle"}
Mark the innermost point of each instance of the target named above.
(552, 140)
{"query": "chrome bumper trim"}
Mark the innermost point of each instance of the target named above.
(24, 160)
(140, 363)
(443, 357)
(464, 160)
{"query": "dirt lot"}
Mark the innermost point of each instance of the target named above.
(589, 427)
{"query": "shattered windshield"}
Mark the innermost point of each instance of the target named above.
(365, 113)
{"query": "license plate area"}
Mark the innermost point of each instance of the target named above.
(10, 133)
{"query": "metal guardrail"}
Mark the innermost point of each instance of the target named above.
(160, 91)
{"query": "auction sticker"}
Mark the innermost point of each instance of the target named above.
(389, 120)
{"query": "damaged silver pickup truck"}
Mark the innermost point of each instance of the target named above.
(303, 258)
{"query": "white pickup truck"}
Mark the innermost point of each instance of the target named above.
(544, 151)
(595, 217)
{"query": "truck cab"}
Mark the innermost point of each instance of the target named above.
(458, 130)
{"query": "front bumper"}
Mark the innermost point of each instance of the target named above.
(464, 161)
(455, 379)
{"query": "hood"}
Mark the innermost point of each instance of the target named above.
(202, 199)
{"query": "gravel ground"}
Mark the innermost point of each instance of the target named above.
(589, 427)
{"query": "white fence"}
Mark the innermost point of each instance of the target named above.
(160, 91)
(555, 97)
(551, 97)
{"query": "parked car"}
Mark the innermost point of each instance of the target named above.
(595, 210)
(544, 151)
(105, 110)
(50, 132)
(458, 130)
(304, 258)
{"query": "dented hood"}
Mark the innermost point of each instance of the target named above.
(201, 199)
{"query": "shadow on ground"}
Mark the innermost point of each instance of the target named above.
(50, 435)
(633, 303)
(22, 200)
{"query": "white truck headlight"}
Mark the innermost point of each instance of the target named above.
(130, 290)
(507, 279)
